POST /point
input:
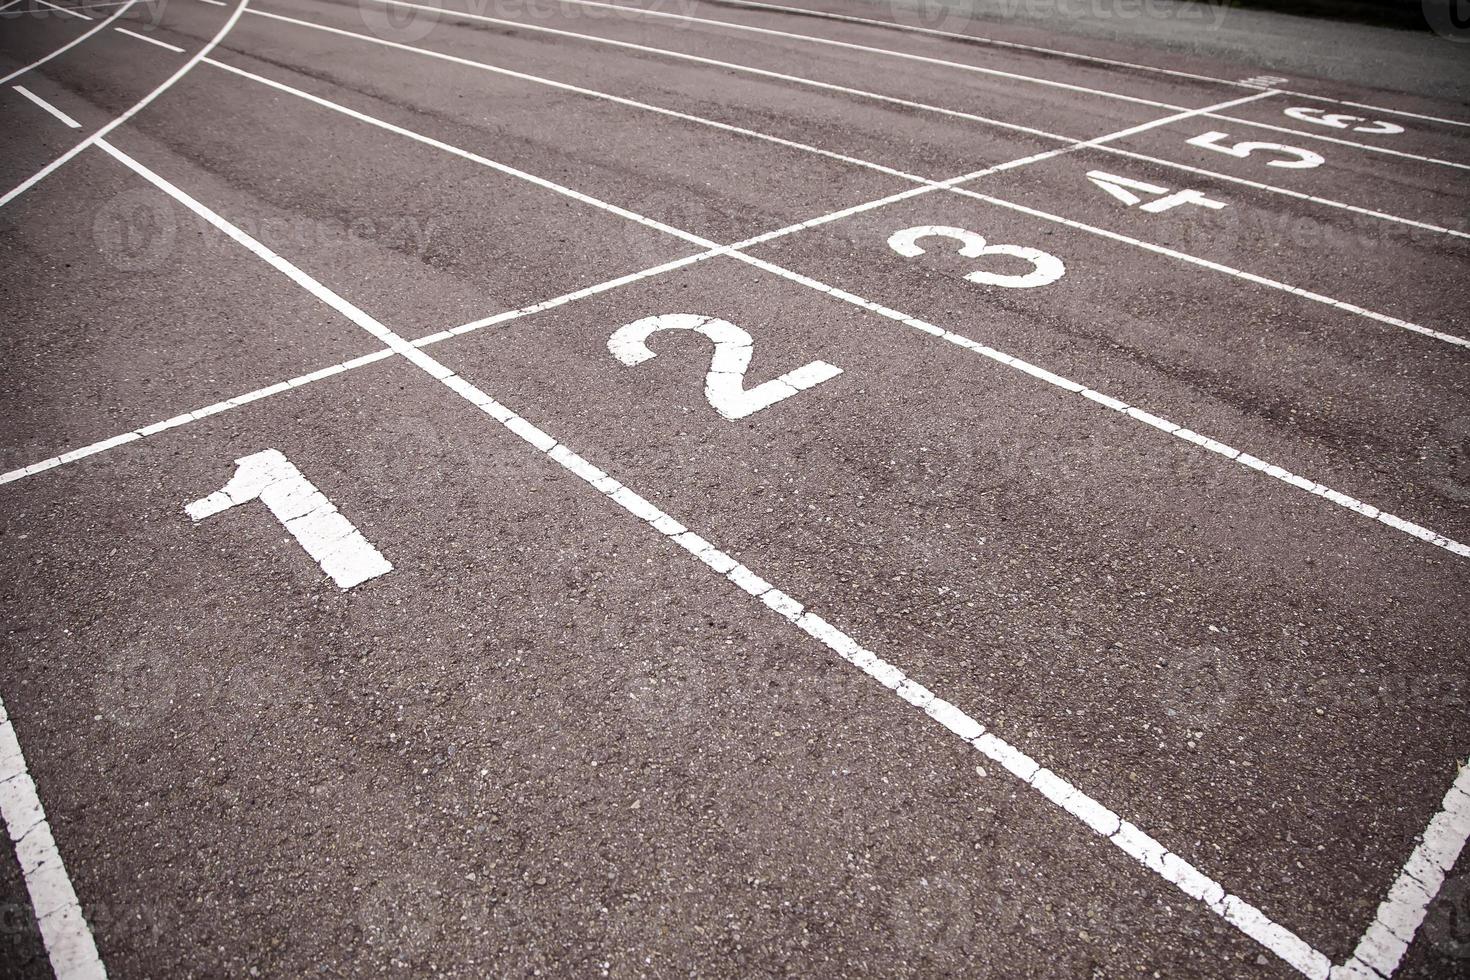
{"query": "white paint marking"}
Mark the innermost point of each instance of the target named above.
(827, 86)
(67, 46)
(1341, 499)
(1402, 912)
(328, 537)
(1046, 268)
(131, 111)
(1298, 158)
(64, 10)
(1371, 148)
(866, 49)
(151, 40)
(65, 119)
(1285, 944)
(6, 6)
(1122, 188)
(64, 930)
(724, 385)
(216, 3)
(1014, 76)
(1337, 120)
(1377, 108)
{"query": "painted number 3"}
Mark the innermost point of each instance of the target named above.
(1045, 267)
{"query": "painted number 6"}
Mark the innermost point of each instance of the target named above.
(1046, 268)
(724, 385)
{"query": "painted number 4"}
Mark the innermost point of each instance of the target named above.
(1123, 189)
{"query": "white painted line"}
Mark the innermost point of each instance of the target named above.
(1376, 108)
(1072, 800)
(866, 49)
(736, 251)
(977, 39)
(795, 79)
(316, 524)
(6, 6)
(64, 10)
(1370, 147)
(131, 111)
(68, 45)
(151, 40)
(1220, 267)
(216, 3)
(1402, 913)
(64, 930)
(1014, 76)
(65, 119)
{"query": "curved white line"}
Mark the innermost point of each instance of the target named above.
(198, 56)
(70, 44)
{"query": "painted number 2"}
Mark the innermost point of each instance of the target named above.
(724, 385)
(1045, 267)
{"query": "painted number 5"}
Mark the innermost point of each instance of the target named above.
(1045, 267)
(1298, 158)
(724, 385)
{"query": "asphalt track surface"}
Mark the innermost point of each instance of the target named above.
(1091, 603)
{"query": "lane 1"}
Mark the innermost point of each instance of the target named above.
(523, 749)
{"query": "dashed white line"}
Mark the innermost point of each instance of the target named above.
(825, 86)
(64, 10)
(131, 111)
(69, 45)
(59, 916)
(1130, 839)
(151, 40)
(65, 119)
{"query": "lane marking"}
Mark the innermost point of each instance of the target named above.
(1376, 108)
(131, 111)
(68, 45)
(64, 10)
(1385, 150)
(1352, 308)
(63, 924)
(1402, 912)
(977, 39)
(151, 40)
(313, 520)
(827, 86)
(737, 251)
(1014, 76)
(724, 385)
(866, 49)
(65, 119)
(8, 5)
(1126, 836)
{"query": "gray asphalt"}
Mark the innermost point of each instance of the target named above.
(550, 742)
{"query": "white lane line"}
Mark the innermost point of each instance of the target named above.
(323, 532)
(151, 40)
(737, 251)
(64, 930)
(1376, 108)
(64, 10)
(8, 5)
(131, 111)
(70, 44)
(1102, 821)
(1014, 76)
(1352, 308)
(859, 93)
(1323, 137)
(977, 39)
(1402, 913)
(216, 3)
(65, 119)
(866, 49)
